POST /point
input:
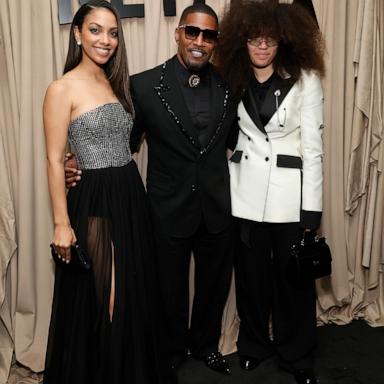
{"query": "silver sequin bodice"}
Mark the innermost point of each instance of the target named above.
(100, 137)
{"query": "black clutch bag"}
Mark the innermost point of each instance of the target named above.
(310, 259)
(80, 261)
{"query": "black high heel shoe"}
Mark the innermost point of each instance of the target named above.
(248, 363)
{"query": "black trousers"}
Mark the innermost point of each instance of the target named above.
(263, 293)
(213, 256)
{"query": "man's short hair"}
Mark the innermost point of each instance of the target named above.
(198, 8)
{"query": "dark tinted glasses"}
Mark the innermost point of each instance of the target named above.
(192, 33)
(257, 41)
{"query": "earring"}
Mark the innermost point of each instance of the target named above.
(78, 42)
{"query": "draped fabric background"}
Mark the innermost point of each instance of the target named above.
(32, 52)
(353, 162)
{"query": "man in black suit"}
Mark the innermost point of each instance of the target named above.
(186, 113)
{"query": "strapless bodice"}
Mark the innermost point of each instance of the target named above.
(100, 137)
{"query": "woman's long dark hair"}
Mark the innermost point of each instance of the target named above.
(116, 68)
(301, 46)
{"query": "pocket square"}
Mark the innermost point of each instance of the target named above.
(236, 156)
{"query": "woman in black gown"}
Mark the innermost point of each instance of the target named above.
(105, 326)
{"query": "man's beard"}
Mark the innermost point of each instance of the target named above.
(193, 66)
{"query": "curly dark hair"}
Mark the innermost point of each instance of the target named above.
(301, 46)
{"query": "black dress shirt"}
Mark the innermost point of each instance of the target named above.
(259, 91)
(197, 99)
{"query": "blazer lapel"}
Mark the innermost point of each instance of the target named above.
(219, 102)
(217, 95)
(275, 96)
(173, 101)
(250, 106)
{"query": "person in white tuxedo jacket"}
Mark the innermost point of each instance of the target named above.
(274, 62)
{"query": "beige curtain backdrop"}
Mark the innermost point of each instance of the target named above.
(32, 54)
(353, 162)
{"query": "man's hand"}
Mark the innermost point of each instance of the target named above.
(72, 174)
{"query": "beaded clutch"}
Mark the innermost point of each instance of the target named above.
(310, 259)
(79, 259)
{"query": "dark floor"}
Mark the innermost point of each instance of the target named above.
(347, 354)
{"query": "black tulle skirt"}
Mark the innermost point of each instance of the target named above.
(87, 342)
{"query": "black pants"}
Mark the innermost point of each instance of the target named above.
(213, 256)
(263, 293)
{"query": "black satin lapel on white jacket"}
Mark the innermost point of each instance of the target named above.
(250, 106)
(275, 96)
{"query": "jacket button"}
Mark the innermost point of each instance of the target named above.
(238, 118)
(246, 157)
(249, 139)
(267, 159)
(193, 187)
(266, 139)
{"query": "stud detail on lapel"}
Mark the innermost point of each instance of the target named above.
(161, 88)
(213, 138)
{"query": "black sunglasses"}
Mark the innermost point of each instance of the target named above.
(192, 33)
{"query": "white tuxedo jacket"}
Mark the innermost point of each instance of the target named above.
(276, 169)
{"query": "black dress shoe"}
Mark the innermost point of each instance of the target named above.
(305, 376)
(216, 362)
(248, 363)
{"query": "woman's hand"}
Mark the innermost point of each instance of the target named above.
(63, 238)
(72, 174)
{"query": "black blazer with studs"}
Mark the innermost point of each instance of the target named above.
(185, 181)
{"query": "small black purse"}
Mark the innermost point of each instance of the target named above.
(80, 261)
(310, 259)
